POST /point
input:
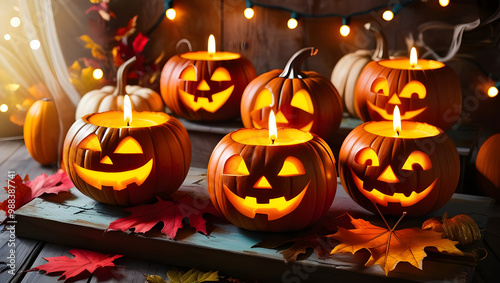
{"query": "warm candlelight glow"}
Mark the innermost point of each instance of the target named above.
(413, 57)
(273, 132)
(396, 120)
(127, 110)
(492, 91)
(211, 44)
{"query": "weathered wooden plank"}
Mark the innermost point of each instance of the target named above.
(25, 250)
(78, 221)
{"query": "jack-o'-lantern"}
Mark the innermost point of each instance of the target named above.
(205, 86)
(426, 91)
(488, 166)
(127, 164)
(280, 187)
(304, 100)
(417, 172)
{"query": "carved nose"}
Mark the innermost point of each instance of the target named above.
(280, 118)
(106, 160)
(203, 85)
(262, 183)
(395, 100)
(388, 176)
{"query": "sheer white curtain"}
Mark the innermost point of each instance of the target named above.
(33, 72)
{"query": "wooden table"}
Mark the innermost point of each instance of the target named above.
(51, 226)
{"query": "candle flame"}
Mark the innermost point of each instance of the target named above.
(273, 132)
(127, 110)
(211, 44)
(396, 120)
(413, 57)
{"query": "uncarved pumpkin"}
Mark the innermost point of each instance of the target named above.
(111, 98)
(346, 72)
(416, 175)
(205, 90)
(41, 131)
(304, 100)
(291, 186)
(488, 167)
(127, 166)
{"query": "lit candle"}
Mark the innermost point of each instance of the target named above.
(211, 54)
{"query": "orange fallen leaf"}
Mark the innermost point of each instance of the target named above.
(388, 247)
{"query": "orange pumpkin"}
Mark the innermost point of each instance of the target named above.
(271, 188)
(127, 165)
(417, 175)
(488, 167)
(205, 89)
(430, 93)
(303, 100)
(41, 131)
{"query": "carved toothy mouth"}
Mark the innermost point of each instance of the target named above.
(274, 209)
(408, 115)
(218, 99)
(117, 180)
(383, 199)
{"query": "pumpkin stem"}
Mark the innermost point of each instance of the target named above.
(381, 50)
(121, 76)
(292, 68)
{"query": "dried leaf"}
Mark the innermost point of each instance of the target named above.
(154, 279)
(192, 276)
(145, 216)
(389, 247)
(84, 260)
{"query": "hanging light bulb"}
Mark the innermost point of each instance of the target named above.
(388, 15)
(345, 29)
(493, 90)
(249, 10)
(170, 13)
(97, 74)
(444, 3)
(292, 22)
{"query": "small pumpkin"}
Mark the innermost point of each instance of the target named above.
(461, 228)
(41, 131)
(347, 70)
(488, 167)
(417, 175)
(304, 100)
(429, 93)
(111, 98)
(127, 165)
(198, 87)
(271, 188)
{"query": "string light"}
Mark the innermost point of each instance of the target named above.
(15, 22)
(345, 29)
(6, 36)
(444, 3)
(35, 44)
(388, 15)
(292, 22)
(4, 108)
(249, 13)
(493, 90)
(97, 74)
(170, 13)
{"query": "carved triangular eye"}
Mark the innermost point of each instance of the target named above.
(221, 74)
(380, 86)
(91, 142)
(367, 156)
(189, 74)
(302, 100)
(128, 145)
(264, 99)
(235, 165)
(292, 167)
(417, 158)
(413, 87)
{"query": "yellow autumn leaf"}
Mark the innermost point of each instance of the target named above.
(192, 276)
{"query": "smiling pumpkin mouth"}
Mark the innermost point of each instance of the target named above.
(117, 180)
(274, 209)
(218, 99)
(384, 199)
(406, 116)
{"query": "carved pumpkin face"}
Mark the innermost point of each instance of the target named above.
(106, 173)
(202, 90)
(411, 100)
(297, 112)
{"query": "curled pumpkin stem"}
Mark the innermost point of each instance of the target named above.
(121, 76)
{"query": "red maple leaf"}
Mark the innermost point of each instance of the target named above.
(20, 191)
(145, 216)
(84, 260)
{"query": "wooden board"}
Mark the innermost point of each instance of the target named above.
(78, 221)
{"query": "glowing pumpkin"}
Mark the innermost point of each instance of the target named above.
(417, 175)
(205, 88)
(429, 92)
(127, 165)
(488, 166)
(303, 100)
(271, 188)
